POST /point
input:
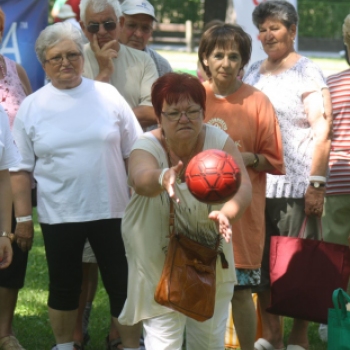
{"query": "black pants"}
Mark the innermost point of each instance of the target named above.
(64, 244)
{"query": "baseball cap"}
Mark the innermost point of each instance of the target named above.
(66, 11)
(135, 7)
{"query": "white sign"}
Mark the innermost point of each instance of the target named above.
(244, 10)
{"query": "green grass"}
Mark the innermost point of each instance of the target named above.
(31, 322)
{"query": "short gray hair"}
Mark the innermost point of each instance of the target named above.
(54, 34)
(281, 10)
(99, 6)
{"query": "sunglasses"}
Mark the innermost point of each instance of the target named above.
(95, 27)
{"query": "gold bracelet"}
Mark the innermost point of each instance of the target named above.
(10, 236)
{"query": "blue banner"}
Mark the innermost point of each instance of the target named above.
(25, 19)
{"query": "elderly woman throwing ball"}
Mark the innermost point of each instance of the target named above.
(75, 135)
(157, 166)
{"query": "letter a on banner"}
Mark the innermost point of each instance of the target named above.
(244, 10)
(24, 20)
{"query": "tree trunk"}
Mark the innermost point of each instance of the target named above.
(214, 9)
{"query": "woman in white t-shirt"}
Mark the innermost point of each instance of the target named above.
(75, 135)
(9, 156)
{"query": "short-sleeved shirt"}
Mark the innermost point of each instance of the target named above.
(163, 66)
(248, 117)
(75, 142)
(338, 181)
(9, 155)
(286, 91)
(133, 75)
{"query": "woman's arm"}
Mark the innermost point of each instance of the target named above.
(318, 109)
(5, 218)
(21, 187)
(257, 162)
(24, 79)
(144, 175)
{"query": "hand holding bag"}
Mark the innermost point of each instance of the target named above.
(304, 273)
(339, 322)
(188, 280)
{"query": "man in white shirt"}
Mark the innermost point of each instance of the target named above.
(132, 72)
(136, 28)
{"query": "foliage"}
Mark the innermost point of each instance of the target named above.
(318, 19)
(170, 11)
(322, 19)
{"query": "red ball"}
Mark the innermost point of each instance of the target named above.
(213, 176)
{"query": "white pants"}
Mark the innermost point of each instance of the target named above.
(166, 332)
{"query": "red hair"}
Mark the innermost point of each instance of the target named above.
(173, 87)
(2, 20)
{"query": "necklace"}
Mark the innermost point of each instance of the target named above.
(181, 174)
(268, 73)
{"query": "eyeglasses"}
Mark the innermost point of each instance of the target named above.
(95, 27)
(71, 57)
(144, 28)
(175, 116)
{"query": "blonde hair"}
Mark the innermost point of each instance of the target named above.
(346, 31)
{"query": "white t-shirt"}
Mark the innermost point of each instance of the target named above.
(75, 142)
(9, 155)
(133, 75)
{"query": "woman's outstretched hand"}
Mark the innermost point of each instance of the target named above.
(222, 223)
(169, 180)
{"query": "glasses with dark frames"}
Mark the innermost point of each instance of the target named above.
(175, 116)
(95, 27)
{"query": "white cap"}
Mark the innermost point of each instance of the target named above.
(135, 7)
(66, 11)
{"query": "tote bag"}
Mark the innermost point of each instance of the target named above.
(339, 322)
(304, 273)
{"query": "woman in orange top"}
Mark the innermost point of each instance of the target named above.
(247, 115)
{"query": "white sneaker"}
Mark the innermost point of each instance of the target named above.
(323, 332)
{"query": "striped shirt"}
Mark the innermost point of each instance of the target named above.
(339, 161)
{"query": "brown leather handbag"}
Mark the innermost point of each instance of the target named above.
(188, 282)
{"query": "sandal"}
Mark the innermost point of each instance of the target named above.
(113, 344)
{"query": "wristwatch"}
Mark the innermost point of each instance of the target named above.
(317, 184)
(256, 161)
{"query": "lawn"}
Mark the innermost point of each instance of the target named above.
(31, 322)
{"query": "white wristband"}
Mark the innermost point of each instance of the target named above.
(24, 218)
(160, 179)
(317, 178)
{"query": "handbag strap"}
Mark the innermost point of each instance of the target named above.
(341, 298)
(171, 217)
(302, 230)
(224, 262)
